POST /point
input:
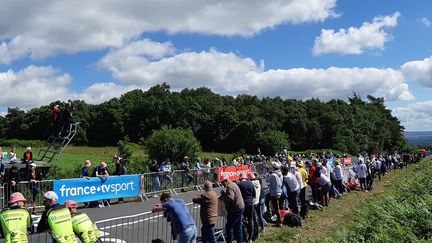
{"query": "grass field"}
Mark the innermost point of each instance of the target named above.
(341, 213)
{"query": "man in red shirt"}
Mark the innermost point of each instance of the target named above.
(313, 181)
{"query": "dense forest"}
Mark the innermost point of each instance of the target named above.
(222, 123)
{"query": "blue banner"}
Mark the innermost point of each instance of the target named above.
(94, 189)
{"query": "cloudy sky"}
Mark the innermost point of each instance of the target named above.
(97, 50)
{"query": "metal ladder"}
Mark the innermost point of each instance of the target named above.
(56, 144)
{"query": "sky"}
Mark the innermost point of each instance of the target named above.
(96, 50)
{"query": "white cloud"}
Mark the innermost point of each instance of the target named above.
(355, 40)
(32, 86)
(226, 73)
(101, 92)
(42, 28)
(425, 21)
(416, 116)
(419, 71)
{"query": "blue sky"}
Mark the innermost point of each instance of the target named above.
(97, 50)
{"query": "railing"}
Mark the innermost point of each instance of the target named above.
(148, 226)
(32, 191)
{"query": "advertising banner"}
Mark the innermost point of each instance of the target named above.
(94, 189)
(233, 172)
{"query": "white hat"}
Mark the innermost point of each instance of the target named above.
(319, 164)
(293, 164)
(276, 165)
(51, 195)
(33, 164)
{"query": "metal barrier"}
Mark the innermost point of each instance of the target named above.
(148, 226)
(33, 191)
(156, 182)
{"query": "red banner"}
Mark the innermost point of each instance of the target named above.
(233, 172)
(347, 161)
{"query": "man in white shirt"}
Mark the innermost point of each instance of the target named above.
(361, 173)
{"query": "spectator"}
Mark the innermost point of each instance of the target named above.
(275, 190)
(2, 168)
(292, 186)
(248, 192)
(82, 225)
(361, 173)
(206, 168)
(15, 221)
(33, 178)
(177, 212)
(154, 168)
(259, 207)
(234, 205)
(101, 171)
(165, 169)
(185, 166)
(324, 182)
(12, 180)
(67, 116)
(27, 156)
(13, 157)
(304, 178)
(120, 169)
(56, 116)
(338, 172)
(85, 171)
(208, 212)
(313, 181)
(57, 219)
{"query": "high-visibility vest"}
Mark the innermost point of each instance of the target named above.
(15, 223)
(60, 223)
(84, 228)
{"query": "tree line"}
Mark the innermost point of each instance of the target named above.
(223, 123)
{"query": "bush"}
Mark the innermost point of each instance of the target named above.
(173, 144)
(21, 143)
(272, 142)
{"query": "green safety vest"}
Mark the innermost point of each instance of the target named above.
(15, 223)
(60, 223)
(84, 228)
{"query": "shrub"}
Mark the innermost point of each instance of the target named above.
(173, 144)
(271, 142)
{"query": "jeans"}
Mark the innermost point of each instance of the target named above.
(234, 226)
(155, 183)
(259, 209)
(208, 234)
(188, 235)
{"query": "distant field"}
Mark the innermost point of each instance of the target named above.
(79, 154)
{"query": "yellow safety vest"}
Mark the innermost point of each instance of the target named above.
(84, 228)
(15, 223)
(60, 223)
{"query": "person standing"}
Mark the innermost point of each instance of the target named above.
(56, 218)
(56, 117)
(34, 177)
(120, 169)
(12, 180)
(100, 171)
(183, 223)
(208, 212)
(362, 173)
(302, 194)
(313, 181)
(338, 172)
(185, 166)
(15, 221)
(154, 169)
(165, 169)
(259, 207)
(85, 171)
(82, 225)
(235, 206)
(275, 191)
(248, 192)
(291, 184)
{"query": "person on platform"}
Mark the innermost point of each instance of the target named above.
(57, 219)
(82, 225)
(15, 221)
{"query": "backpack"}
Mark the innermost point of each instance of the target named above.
(291, 219)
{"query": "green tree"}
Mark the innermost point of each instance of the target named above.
(271, 142)
(173, 144)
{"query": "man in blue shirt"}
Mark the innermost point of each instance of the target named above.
(182, 222)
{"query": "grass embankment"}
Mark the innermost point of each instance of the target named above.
(399, 209)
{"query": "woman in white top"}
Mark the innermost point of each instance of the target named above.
(12, 157)
(325, 184)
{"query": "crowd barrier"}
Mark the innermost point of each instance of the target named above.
(148, 226)
(33, 191)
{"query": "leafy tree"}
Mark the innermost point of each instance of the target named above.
(271, 142)
(173, 144)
